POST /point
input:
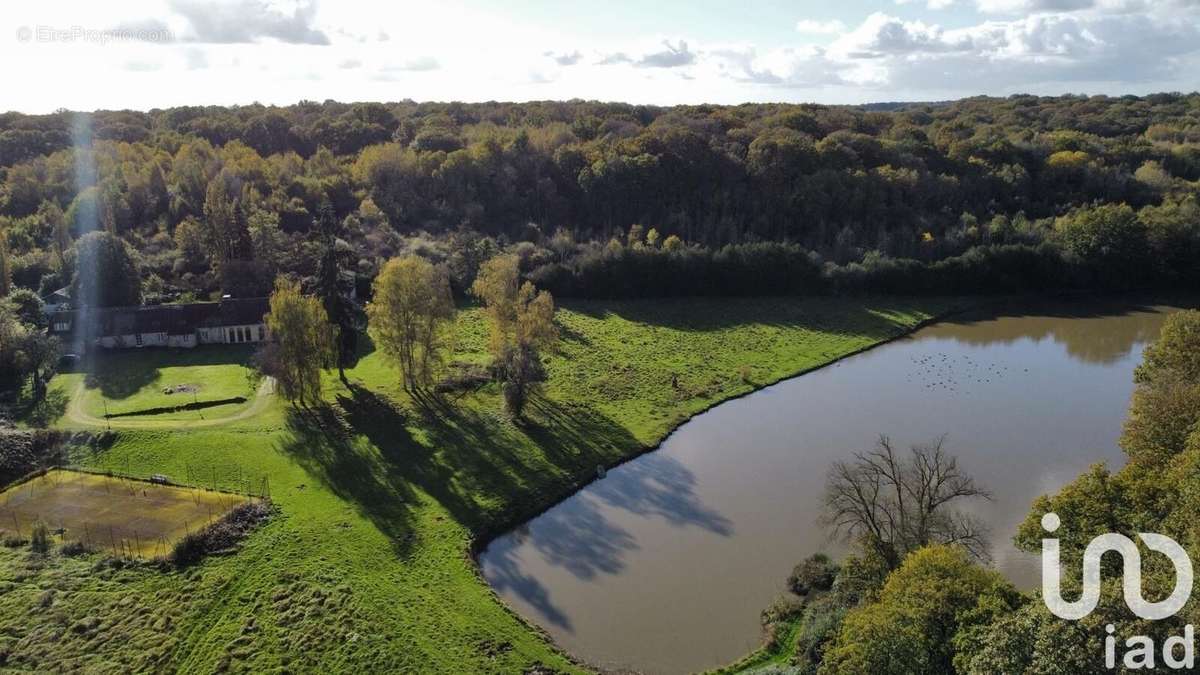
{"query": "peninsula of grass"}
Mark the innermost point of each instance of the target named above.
(380, 498)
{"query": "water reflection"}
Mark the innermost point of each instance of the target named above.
(577, 537)
(664, 565)
(658, 485)
(1085, 329)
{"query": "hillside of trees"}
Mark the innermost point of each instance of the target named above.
(603, 199)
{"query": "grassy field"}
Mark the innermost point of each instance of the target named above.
(380, 497)
(130, 381)
(124, 517)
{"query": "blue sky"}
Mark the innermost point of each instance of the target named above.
(158, 53)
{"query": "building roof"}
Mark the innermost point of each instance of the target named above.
(174, 319)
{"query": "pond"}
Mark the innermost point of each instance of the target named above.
(664, 565)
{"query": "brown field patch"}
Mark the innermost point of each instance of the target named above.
(125, 516)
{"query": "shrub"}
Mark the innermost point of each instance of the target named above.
(781, 609)
(74, 548)
(784, 608)
(860, 578)
(815, 573)
(820, 624)
(39, 539)
(189, 550)
(221, 535)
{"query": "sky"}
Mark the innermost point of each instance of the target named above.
(140, 55)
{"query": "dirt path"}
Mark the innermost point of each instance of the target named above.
(76, 414)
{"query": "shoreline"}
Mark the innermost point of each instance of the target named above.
(481, 541)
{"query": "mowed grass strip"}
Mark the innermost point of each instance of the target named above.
(365, 567)
(122, 516)
(131, 380)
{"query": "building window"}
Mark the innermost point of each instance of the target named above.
(262, 333)
(138, 338)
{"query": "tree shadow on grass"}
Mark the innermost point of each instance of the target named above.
(120, 374)
(351, 469)
(46, 410)
(466, 460)
(489, 473)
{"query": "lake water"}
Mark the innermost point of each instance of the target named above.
(664, 565)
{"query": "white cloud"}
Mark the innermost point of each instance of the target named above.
(235, 21)
(791, 67)
(820, 27)
(881, 35)
(1029, 6)
(931, 4)
(672, 56)
(281, 51)
(419, 64)
(564, 58)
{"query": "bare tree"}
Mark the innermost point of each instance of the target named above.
(894, 505)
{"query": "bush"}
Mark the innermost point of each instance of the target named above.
(72, 549)
(23, 451)
(860, 578)
(815, 573)
(189, 550)
(39, 539)
(464, 377)
(221, 535)
(782, 608)
(820, 624)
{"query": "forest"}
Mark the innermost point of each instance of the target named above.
(428, 207)
(613, 200)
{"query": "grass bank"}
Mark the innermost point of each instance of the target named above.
(380, 497)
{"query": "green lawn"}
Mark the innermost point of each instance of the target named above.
(365, 568)
(129, 381)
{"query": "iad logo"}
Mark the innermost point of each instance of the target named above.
(1141, 653)
(1131, 580)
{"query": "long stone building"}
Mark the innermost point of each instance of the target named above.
(230, 321)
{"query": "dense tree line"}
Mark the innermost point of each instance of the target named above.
(215, 198)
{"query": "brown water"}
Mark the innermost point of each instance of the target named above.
(664, 565)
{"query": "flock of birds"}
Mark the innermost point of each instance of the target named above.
(953, 372)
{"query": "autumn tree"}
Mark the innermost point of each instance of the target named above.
(1165, 408)
(925, 610)
(521, 325)
(409, 317)
(302, 343)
